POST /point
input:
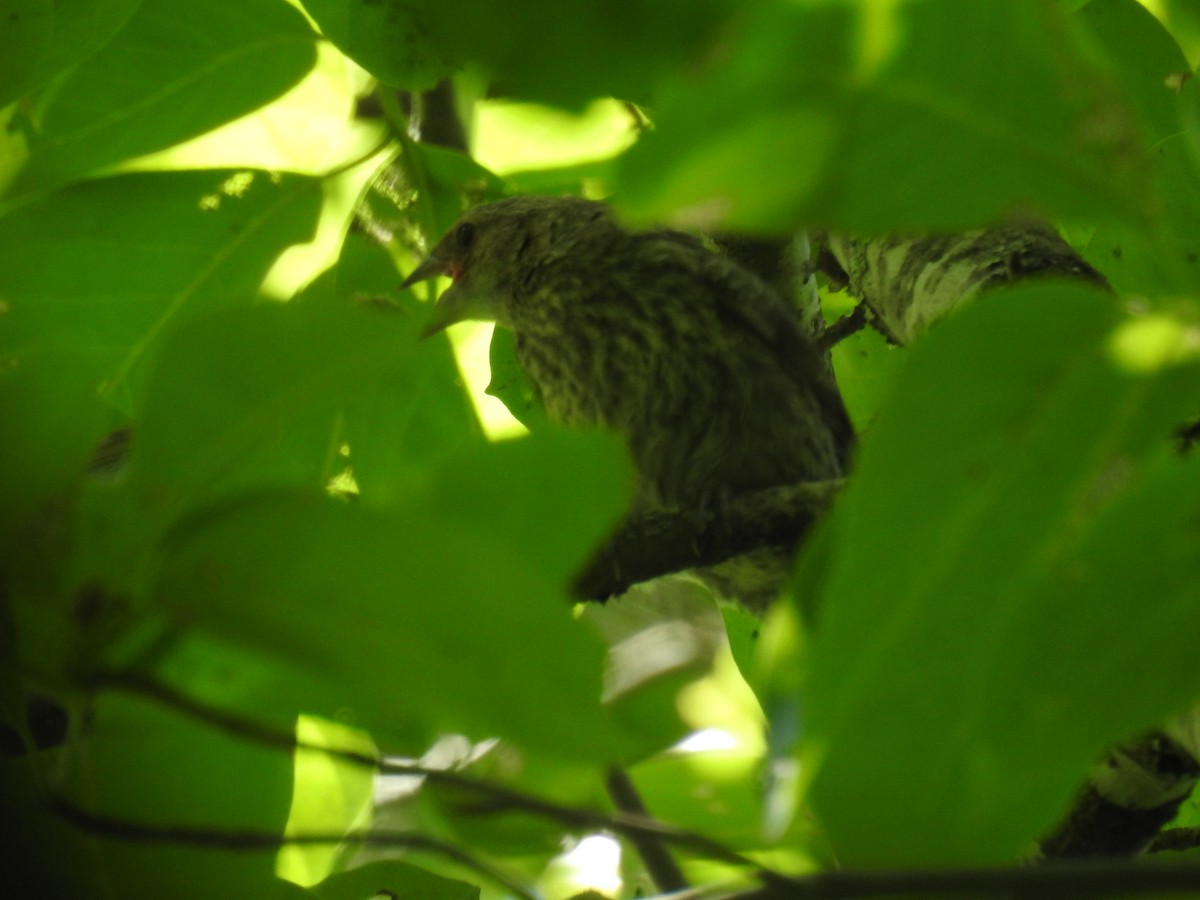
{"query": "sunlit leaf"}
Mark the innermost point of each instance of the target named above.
(173, 72)
(107, 267)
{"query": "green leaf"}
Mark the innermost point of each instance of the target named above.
(564, 57)
(716, 793)
(1183, 18)
(511, 385)
(1160, 260)
(390, 40)
(866, 366)
(45, 851)
(556, 494)
(1143, 53)
(175, 71)
(52, 420)
(734, 178)
(332, 794)
(937, 114)
(251, 401)
(920, 131)
(939, 139)
(745, 142)
(397, 878)
(419, 620)
(412, 413)
(155, 768)
(40, 39)
(1010, 586)
(105, 268)
(256, 398)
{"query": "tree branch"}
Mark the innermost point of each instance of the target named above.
(847, 325)
(910, 281)
(434, 118)
(1129, 796)
(652, 545)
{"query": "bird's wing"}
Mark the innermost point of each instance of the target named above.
(749, 304)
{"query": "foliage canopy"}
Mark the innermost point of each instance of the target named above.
(313, 525)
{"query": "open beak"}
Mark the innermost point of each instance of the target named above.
(444, 315)
(430, 268)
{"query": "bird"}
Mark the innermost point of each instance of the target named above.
(704, 370)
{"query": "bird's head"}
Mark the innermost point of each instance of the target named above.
(487, 250)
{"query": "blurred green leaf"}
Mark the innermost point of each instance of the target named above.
(982, 109)
(745, 141)
(419, 618)
(251, 400)
(411, 413)
(1182, 17)
(1010, 584)
(511, 385)
(331, 794)
(257, 397)
(714, 793)
(1143, 53)
(155, 768)
(51, 421)
(1161, 259)
(570, 179)
(391, 40)
(397, 878)
(40, 39)
(937, 114)
(173, 72)
(867, 367)
(103, 269)
(551, 53)
(556, 494)
(45, 851)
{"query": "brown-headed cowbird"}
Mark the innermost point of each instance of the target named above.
(700, 366)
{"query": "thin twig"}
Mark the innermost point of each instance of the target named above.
(662, 868)
(493, 798)
(249, 840)
(1055, 879)
(855, 320)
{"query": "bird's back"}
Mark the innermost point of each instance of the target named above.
(701, 366)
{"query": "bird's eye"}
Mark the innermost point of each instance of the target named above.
(465, 234)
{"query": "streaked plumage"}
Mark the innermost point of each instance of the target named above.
(702, 367)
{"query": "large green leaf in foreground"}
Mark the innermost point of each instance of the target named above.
(1013, 584)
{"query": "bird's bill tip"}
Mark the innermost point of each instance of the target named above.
(446, 312)
(430, 268)
(432, 327)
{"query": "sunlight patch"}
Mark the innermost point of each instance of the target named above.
(1153, 342)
